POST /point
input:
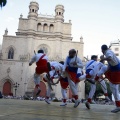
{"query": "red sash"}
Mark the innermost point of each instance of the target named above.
(63, 84)
(73, 76)
(113, 77)
(42, 66)
(41, 61)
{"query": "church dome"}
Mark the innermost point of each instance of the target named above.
(34, 3)
(60, 6)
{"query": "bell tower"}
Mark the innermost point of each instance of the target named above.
(59, 12)
(33, 10)
(33, 15)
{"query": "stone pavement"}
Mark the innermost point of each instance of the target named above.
(36, 110)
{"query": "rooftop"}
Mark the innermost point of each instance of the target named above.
(115, 42)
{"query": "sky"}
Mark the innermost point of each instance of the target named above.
(97, 21)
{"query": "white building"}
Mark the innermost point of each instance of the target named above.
(49, 33)
(115, 47)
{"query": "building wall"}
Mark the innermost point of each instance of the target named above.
(115, 47)
(0, 47)
(56, 44)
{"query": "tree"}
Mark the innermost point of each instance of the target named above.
(3, 3)
(87, 88)
(99, 92)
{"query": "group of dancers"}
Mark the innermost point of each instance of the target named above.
(70, 73)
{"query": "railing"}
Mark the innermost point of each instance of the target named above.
(47, 16)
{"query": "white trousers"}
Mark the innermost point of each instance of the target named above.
(82, 77)
(93, 88)
(115, 90)
(64, 93)
(73, 87)
(103, 85)
(114, 87)
(37, 79)
(48, 91)
(102, 71)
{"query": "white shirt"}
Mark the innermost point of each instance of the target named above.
(98, 66)
(79, 71)
(78, 61)
(113, 58)
(37, 57)
(53, 63)
(92, 65)
(57, 68)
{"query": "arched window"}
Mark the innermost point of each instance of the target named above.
(39, 27)
(51, 28)
(45, 28)
(32, 10)
(11, 53)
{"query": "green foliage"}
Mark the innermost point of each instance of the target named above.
(108, 89)
(99, 91)
(87, 88)
(3, 3)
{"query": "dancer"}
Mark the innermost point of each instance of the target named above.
(64, 86)
(56, 70)
(43, 66)
(96, 68)
(92, 68)
(112, 72)
(72, 63)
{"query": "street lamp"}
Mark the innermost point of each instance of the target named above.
(16, 85)
(25, 87)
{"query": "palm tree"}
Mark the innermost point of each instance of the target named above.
(3, 3)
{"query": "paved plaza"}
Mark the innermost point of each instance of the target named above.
(36, 110)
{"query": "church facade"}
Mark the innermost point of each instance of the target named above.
(35, 32)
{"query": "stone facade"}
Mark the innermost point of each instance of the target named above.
(0, 51)
(115, 47)
(49, 33)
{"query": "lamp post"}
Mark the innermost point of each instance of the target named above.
(16, 85)
(25, 87)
